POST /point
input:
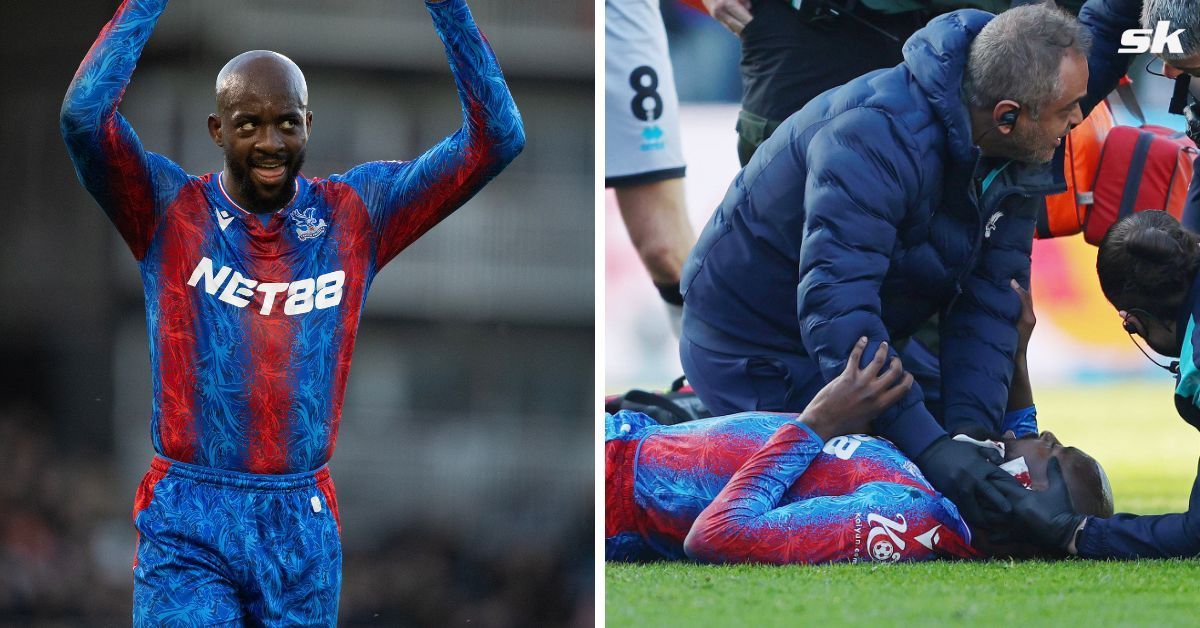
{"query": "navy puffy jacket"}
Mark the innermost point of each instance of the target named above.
(860, 217)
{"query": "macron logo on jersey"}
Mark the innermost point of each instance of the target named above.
(303, 295)
(224, 218)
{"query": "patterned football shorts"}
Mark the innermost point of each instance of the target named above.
(219, 547)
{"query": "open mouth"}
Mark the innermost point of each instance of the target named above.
(269, 172)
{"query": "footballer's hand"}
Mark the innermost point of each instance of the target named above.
(732, 14)
(848, 403)
(1026, 321)
(969, 476)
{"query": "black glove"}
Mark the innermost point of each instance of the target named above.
(1048, 515)
(969, 476)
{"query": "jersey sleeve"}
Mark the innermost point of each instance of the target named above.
(879, 521)
(1022, 422)
(131, 185)
(405, 199)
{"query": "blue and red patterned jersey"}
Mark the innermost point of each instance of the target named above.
(252, 325)
(762, 487)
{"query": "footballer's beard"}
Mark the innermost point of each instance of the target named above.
(261, 200)
(1028, 146)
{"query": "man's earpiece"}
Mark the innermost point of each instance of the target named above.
(1008, 118)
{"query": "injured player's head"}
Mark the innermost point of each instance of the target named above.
(1086, 482)
(262, 125)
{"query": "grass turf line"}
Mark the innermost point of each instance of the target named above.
(1132, 429)
(991, 593)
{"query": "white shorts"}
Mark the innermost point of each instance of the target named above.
(641, 109)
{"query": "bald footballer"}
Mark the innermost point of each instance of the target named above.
(255, 279)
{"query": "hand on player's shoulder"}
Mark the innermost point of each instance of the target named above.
(848, 403)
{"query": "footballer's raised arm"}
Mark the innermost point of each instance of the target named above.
(131, 185)
(406, 199)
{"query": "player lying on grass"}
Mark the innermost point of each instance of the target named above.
(786, 488)
(255, 278)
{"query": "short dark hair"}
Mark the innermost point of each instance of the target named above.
(1147, 261)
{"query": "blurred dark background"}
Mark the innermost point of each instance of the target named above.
(464, 464)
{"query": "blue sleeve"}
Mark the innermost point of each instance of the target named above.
(131, 185)
(405, 199)
(1144, 536)
(1106, 20)
(862, 178)
(746, 523)
(1022, 422)
(979, 331)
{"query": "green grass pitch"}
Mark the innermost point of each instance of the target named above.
(1150, 455)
